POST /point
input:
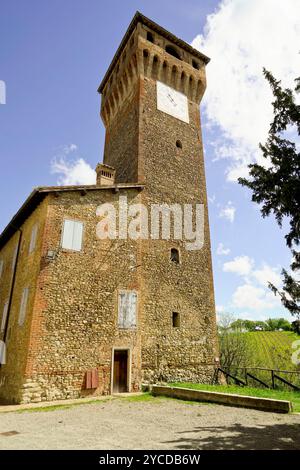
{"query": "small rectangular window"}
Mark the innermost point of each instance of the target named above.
(127, 309)
(72, 235)
(23, 306)
(1, 267)
(175, 319)
(33, 238)
(4, 315)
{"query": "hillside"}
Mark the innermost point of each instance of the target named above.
(272, 349)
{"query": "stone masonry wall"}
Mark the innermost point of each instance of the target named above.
(76, 314)
(28, 266)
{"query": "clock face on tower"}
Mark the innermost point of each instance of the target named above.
(172, 102)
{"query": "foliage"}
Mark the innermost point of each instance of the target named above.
(272, 324)
(234, 350)
(296, 326)
(276, 185)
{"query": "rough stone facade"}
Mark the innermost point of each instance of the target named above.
(71, 323)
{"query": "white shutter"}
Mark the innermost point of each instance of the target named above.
(14, 258)
(1, 267)
(72, 235)
(77, 235)
(33, 238)
(4, 315)
(127, 309)
(23, 306)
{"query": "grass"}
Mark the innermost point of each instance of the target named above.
(272, 349)
(294, 397)
(60, 406)
(148, 397)
(142, 398)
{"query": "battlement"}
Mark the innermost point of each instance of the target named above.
(149, 51)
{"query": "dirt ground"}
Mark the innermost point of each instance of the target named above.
(152, 423)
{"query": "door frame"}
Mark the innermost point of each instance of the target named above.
(116, 348)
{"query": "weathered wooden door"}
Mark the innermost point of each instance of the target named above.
(120, 379)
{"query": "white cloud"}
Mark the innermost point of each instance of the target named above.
(241, 38)
(254, 294)
(254, 298)
(241, 265)
(220, 308)
(212, 199)
(69, 148)
(228, 212)
(267, 274)
(221, 250)
(72, 172)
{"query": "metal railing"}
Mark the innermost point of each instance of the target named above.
(260, 376)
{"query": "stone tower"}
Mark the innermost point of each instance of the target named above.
(150, 107)
(83, 315)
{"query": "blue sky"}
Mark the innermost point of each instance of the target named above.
(52, 58)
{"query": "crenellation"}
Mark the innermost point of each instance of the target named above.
(118, 309)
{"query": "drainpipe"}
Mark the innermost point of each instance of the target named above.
(10, 299)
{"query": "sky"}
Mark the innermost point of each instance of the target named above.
(53, 56)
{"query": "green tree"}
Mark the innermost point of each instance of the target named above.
(276, 186)
(274, 324)
(234, 349)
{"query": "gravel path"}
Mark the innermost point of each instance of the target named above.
(157, 423)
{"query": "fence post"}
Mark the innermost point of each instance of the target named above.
(273, 379)
(246, 376)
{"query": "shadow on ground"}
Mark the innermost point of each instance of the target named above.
(239, 437)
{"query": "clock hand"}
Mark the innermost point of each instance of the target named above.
(171, 99)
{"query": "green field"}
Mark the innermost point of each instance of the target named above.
(272, 349)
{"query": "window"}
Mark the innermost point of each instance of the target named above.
(23, 306)
(33, 238)
(195, 65)
(127, 309)
(178, 144)
(175, 320)
(1, 267)
(150, 36)
(174, 255)
(171, 50)
(4, 315)
(72, 235)
(13, 263)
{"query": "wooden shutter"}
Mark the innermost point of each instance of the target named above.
(92, 379)
(2, 352)
(4, 315)
(127, 309)
(14, 258)
(77, 235)
(23, 306)
(95, 378)
(72, 235)
(33, 238)
(88, 380)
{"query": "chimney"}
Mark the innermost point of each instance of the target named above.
(105, 175)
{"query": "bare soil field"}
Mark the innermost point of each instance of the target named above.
(146, 422)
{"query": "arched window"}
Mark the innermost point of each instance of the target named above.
(174, 255)
(172, 51)
(195, 64)
(150, 36)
